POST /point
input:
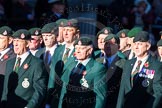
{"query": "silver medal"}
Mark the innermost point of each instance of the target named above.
(145, 83)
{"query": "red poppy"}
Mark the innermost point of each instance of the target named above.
(146, 64)
(26, 66)
(5, 57)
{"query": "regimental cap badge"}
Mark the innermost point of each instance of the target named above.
(69, 23)
(36, 32)
(22, 36)
(5, 32)
(123, 35)
(62, 23)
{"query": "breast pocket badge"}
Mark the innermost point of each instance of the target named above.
(25, 83)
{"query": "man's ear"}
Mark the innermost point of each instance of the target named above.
(148, 45)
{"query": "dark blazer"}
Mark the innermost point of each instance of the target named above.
(10, 54)
(140, 96)
(95, 95)
(56, 71)
(28, 86)
(114, 73)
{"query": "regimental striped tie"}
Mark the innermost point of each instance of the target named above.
(66, 55)
(136, 71)
(47, 58)
(17, 65)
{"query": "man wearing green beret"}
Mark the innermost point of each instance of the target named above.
(84, 83)
(114, 63)
(123, 36)
(131, 34)
(60, 24)
(6, 52)
(100, 54)
(26, 78)
(49, 33)
(159, 49)
(63, 54)
(142, 77)
(36, 40)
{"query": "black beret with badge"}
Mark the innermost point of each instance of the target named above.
(6, 31)
(112, 37)
(71, 23)
(61, 22)
(159, 43)
(22, 34)
(106, 30)
(123, 33)
(85, 41)
(35, 31)
(142, 36)
(49, 28)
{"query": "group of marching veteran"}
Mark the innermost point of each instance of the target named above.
(55, 67)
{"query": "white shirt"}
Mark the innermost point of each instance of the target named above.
(143, 62)
(52, 49)
(23, 57)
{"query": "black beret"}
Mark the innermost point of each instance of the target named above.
(71, 23)
(6, 31)
(22, 34)
(61, 22)
(48, 28)
(159, 43)
(142, 36)
(86, 41)
(125, 31)
(111, 36)
(35, 31)
(106, 30)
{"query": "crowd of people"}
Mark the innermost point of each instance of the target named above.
(54, 66)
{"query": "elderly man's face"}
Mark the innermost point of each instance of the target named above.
(20, 46)
(83, 52)
(70, 34)
(35, 42)
(4, 42)
(100, 41)
(141, 48)
(49, 39)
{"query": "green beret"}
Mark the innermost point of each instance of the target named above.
(22, 34)
(134, 31)
(86, 41)
(71, 23)
(160, 33)
(111, 36)
(125, 31)
(48, 28)
(35, 31)
(61, 22)
(6, 31)
(159, 43)
(106, 30)
(142, 36)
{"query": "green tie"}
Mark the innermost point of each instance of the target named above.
(136, 71)
(66, 55)
(18, 61)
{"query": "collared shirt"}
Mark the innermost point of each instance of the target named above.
(33, 52)
(4, 52)
(71, 49)
(110, 59)
(143, 62)
(84, 62)
(131, 55)
(23, 57)
(52, 49)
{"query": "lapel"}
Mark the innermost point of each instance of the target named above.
(61, 51)
(21, 70)
(89, 66)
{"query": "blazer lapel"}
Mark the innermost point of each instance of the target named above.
(12, 63)
(89, 66)
(21, 70)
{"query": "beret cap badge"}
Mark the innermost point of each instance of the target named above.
(5, 32)
(79, 43)
(36, 32)
(22, 36)
(106, 31)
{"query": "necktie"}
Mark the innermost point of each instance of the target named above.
(17, 65)
(101, 58)
(136, 71)
(66, 55)
(47, 57)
